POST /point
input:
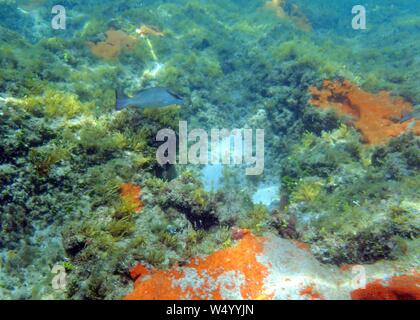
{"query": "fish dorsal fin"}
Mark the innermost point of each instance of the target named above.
(174, 94)
(163, 89)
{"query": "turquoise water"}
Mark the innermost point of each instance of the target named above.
(329, 98)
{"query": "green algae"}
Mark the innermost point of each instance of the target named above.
(357, 213)
(350, 203)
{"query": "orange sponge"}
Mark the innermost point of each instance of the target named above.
(406, 287)
(375, 115)
(210, 277)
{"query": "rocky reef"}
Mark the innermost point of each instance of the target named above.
(81, 187)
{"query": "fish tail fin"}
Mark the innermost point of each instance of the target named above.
(119, 100)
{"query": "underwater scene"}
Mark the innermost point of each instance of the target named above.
(209, 150)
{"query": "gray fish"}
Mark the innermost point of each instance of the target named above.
(157, 97)
(407, 116)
